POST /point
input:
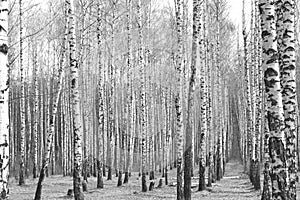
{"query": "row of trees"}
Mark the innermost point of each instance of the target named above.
(270, 107)
(134, 113)
(98, 86)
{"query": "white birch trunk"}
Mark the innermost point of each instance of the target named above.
(4, 92)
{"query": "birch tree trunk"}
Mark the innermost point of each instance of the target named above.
(130, 95)
(277, 147)
(141, 64)
(76, 118)
(4, 94)
(178, 97)
(248, 95)
(189, 136)
(101, 102)
(288, 81)
(219, 155)
(36, 113)
(203, 103)
(111, 97)
(22, 109)
(258, 100)
(209, 118)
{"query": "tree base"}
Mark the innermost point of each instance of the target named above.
(126, 177)
(160, 183)
(70, 192)
(256, 177)
(99, 180)
(201, 177)
(144, 184)
(109, 174)
(166, 176)
(84, 186)
(119, 179)
(151, 186)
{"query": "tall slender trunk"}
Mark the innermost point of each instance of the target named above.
(101, 102)
(129, 101)
(122, 132)
(252, 85)
(111, 99)
(178, 97)
(22, 108)
(4, 106)
(35, 113)
(141, 64)
(76, 118)
(188, 137)
(219, 155)
(203, 102)
(248, 95)
(258, 100)
(209, 118)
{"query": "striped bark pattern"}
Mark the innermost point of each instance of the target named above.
(219, 99)
(36, 113)
(275, 116)
(178, 98)
(22, 109)
(129, 101)
(101, 102)
(203, 100)
(142, 97)
(209, 118)
(288, 81)
(248, 92)
(4, 92)
(75, 98)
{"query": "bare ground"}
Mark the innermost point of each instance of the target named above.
(234, 186)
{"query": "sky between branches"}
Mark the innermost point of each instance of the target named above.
(234, 8)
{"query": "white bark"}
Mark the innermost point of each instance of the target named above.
(4, 91)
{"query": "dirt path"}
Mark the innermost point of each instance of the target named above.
(234, 186)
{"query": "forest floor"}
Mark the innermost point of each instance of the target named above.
(234, 186)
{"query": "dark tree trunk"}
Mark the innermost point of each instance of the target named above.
(126, 177)
(151, 186)
(99, 175)
(38, 192)
(201, 176)
(166, 175)
(120, 178)
(109, 173)
(256, 177)
(144, 185)
(187, 173)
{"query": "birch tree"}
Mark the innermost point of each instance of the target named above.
(4, 94)
(178, 96)
(194, 62)
(22, 106)
(203, 102)
(288, 81)
(130, 95)
(36, 113)
(275, 166)
(101, 102)
(141, 64)
(75, 98)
